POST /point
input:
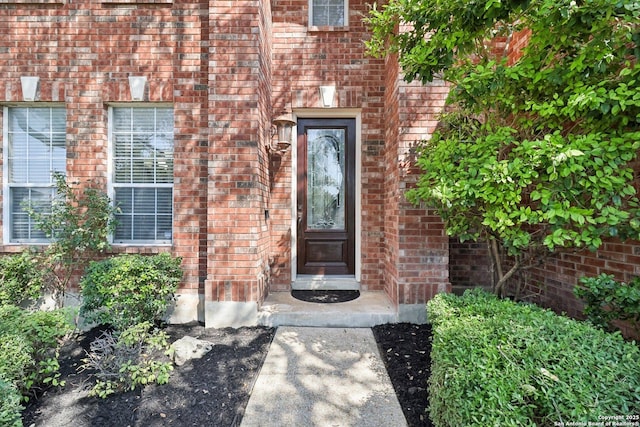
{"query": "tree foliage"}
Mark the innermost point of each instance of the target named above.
(535, 150)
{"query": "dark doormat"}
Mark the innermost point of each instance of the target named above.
(325, 297)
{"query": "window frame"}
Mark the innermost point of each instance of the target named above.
(316, 27)
(111, 181)
(7, 186)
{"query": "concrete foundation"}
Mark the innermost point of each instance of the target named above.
(412, 313)
(224, 314)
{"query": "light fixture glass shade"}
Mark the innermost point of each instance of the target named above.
(327, 93)
(284, 125)
(29, 87)
(136, 87)
(284, 131)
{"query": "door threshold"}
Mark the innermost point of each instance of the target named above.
(323, 282)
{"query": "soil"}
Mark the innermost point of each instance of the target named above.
(405, 350)
(214, 390)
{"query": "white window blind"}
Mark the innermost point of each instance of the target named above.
(328, 13)
(36, 151)
(142, 140)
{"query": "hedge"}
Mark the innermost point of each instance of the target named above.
(129, 289)
(500, 363)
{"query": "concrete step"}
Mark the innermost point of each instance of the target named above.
(370, 309)
(322, 282)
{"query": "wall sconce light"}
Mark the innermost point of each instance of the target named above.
(136, 87)
(283, 126)
(29, 87)
(327, 93)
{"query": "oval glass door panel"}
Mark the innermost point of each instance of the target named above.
(325, 179)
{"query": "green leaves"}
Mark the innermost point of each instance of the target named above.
(496, 362)
(21, 279)
(607, 300)
(535, 152)
(129, 289)
(126, 359)
(10, 408)
(79, 226)
(29, 343)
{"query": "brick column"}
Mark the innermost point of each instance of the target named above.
(239, 123)
(417, 248)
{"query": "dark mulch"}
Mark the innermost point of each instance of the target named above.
(406, 349)
(210, 391)
(214, 390)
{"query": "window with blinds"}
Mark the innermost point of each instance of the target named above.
(142, 181)
(35, 152)
(328, 13)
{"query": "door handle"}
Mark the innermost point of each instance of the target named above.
(299, 214)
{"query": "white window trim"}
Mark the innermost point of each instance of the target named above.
(110, 176)
(318, 27)
(6, 200)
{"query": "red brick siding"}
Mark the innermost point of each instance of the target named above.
(83, 53)
(304, 59)
(391, 184)
(416, 252)
(424, 245)
(469, 264)
(238, 235)
(227, 68)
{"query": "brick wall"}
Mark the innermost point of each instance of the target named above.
(83, 53)
(228, 68)
(305, 59)
(423, 264)
(392, 177)
(239, 118)
(469, 265)
(416, 251)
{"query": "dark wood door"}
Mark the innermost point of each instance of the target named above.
(326, 192)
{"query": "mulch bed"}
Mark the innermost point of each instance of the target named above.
(215, 389)
(405, 350)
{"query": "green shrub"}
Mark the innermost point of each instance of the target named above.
(10, 408)
(21, 278)
(499, 363)
(129, 289)
(15, 357)
(127, 360)
(29, 343)
(78, 224)
(607, 300)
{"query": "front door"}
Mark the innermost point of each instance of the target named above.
(326, 192)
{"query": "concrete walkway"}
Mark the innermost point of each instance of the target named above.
(323, 377)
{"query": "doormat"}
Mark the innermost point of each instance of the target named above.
(325, 297)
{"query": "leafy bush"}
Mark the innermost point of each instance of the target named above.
(15, 358)
(496, 362)
(607, 300)
(78, 225)
(124, 361)
(129, 289)
(21, 278)
(536, 148)
(29, 343)
(10, 407)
